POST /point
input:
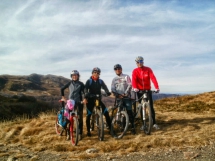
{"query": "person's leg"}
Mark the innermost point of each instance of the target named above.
(128, 104)
(80, 118)
(153, 112)
(152, 107)
(90, 106)
(106, 114)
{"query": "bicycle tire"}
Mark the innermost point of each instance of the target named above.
(92, 122)
(100, 125)
(119, 127)
(58, 128)
(74, 130)
(147, 122)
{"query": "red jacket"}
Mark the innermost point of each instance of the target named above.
(141, 78)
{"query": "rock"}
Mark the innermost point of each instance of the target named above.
(190, 155)
(92, 150)
(11, 158)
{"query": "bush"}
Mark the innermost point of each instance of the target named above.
(27, 99)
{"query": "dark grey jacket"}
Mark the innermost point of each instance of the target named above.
(76, 90)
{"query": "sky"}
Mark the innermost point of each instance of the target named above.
(176, 38)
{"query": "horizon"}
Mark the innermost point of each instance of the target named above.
(176, 93)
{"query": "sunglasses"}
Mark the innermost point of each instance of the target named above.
(97, 73)
(117, 68)
(139, 62)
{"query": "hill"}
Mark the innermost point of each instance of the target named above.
(187, 132)
(46, 90)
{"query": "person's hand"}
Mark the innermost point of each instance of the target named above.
(63, 99)
(157, 90)
(84, 101)
(136, 90)
(108, 93)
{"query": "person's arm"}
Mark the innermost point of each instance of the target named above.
(128, 80)
(83, 93)
(86, 89)
(62, 90)
(154, 80)
(113, 86)
(103, 85)
(134, 78)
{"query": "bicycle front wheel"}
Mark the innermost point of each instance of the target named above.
(119, 125)
(74, 130)
(146, 116)
(100, 125)
(58, 128)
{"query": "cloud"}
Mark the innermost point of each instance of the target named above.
(55, 37)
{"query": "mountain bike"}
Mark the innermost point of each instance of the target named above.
(144, 111)
(97, 117)
(70, 125)
(120, 119)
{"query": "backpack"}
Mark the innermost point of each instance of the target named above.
(91, 80)
(62, 119)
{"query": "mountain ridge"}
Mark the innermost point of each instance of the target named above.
(41, 85)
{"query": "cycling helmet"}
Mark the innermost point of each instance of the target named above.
(96, 69)
(139, 59)
(117, 66)
(70, 104)
(74, 72)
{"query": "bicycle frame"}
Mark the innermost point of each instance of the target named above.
(72, 119)
(144, 110)
(97, 117)
(120, 119)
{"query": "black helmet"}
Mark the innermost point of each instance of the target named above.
(74, 72)
(117, 66)
(96, 69)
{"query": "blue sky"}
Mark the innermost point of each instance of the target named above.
(176, 39)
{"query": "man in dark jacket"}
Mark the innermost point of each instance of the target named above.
(94, 86)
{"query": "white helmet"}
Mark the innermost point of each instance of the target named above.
(74, 72)
(139, 58)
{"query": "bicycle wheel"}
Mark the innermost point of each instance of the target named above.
(119, 125)
(146, 116)
(100, 125)
(92, 122)
(58, 128)
(74, 130)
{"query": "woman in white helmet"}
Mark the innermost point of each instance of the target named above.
(76, 93)
(141, 80)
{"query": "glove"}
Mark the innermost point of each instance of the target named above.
(108, 93)
(157, 90)
(136, 90)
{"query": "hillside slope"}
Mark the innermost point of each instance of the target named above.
(184, 134)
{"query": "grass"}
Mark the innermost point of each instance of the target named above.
(185, 121)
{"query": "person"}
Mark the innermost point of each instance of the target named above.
(121, 87)
(94, 86)
(76, 93)
(141, 80)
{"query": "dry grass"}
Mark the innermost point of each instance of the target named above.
(180, 127)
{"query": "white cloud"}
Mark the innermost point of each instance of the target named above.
(54, 37)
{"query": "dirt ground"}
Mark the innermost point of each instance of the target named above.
(181, 137)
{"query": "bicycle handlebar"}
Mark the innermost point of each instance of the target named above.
(117, 95)
(146, 91)
(97, 95)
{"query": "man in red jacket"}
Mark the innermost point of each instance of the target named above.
(141, 80)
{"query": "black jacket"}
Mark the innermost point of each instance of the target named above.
(94, 87)
(76, 90)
